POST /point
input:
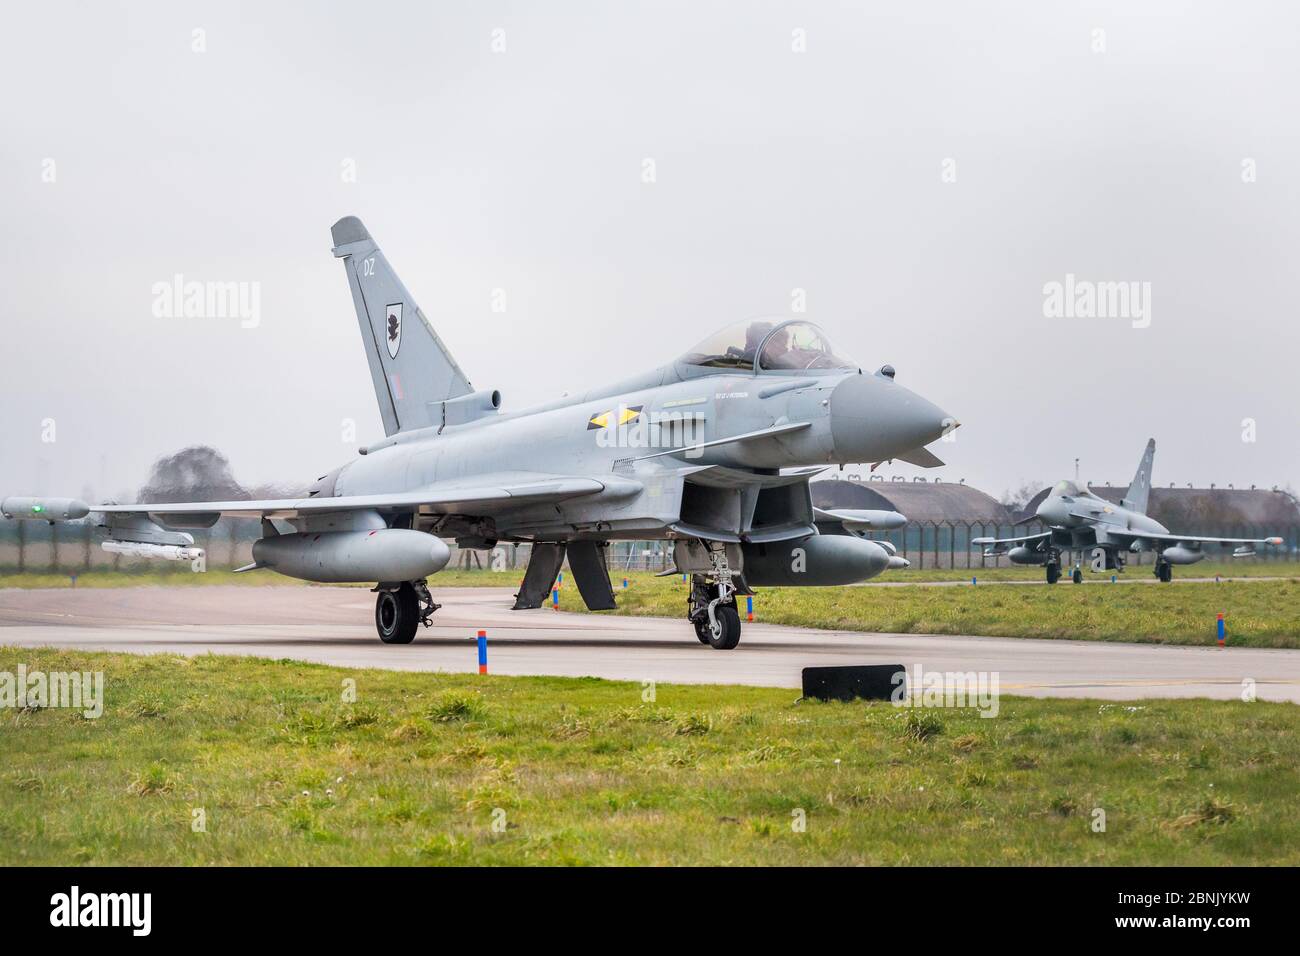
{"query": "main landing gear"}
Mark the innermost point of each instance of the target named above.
(711, 607)
(1164, 571)
(401, 609)
(1053, 567)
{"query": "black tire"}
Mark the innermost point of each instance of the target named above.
(397, 615)
(702, 630)
(1077, 576)
(727, 634)
(1165, 572)
(1053, 573)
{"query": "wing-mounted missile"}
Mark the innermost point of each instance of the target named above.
(136, 535)
(1245, 551)
(138, 549)
(139, 536)
(860, 522)
(896, 561)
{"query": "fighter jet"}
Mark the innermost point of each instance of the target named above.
(711, 452)
(1078, 521)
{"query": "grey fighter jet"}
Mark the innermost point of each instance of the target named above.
(712, 452)
(1078, 521)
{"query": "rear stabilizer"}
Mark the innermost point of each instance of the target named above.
(412, 371)
(1139, 490)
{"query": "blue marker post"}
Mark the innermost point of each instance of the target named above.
(749, 606)
(1112, 579)
(625, 584)
(1223, 633)
(555, 598)
(974, 580)
(482, 652)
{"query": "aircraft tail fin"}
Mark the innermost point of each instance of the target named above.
(412, 370)
(1139, 491)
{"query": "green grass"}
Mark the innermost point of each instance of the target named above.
(1260, 614)
(584, 771)
(1242, 568)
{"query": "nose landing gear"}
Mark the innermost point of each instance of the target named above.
(711, 607)
(723, 631)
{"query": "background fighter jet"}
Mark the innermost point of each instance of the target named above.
(1078, 520)
(712, 451)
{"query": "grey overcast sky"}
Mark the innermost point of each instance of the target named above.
(921, 170)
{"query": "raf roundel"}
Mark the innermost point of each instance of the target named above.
(393, 329)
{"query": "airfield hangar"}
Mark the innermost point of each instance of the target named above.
(920, 501)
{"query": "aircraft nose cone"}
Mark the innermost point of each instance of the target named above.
(874, 418)
(1052, 511)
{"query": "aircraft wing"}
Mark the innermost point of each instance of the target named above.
(1020, 540)
(483, 496)
(1186, 538)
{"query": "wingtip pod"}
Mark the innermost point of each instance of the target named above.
(1273, 541)
(44, 509)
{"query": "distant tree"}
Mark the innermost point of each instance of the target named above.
(1017, 500)
(1215, 512)
(197, 473)
(201, 473)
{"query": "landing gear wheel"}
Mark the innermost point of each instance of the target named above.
(397, 615)
(1077, 576)
(1053, 572)
(724, 634)
(1164, 571)
(702, 630)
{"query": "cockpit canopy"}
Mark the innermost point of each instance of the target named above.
(1070, 489)
(779, 346)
